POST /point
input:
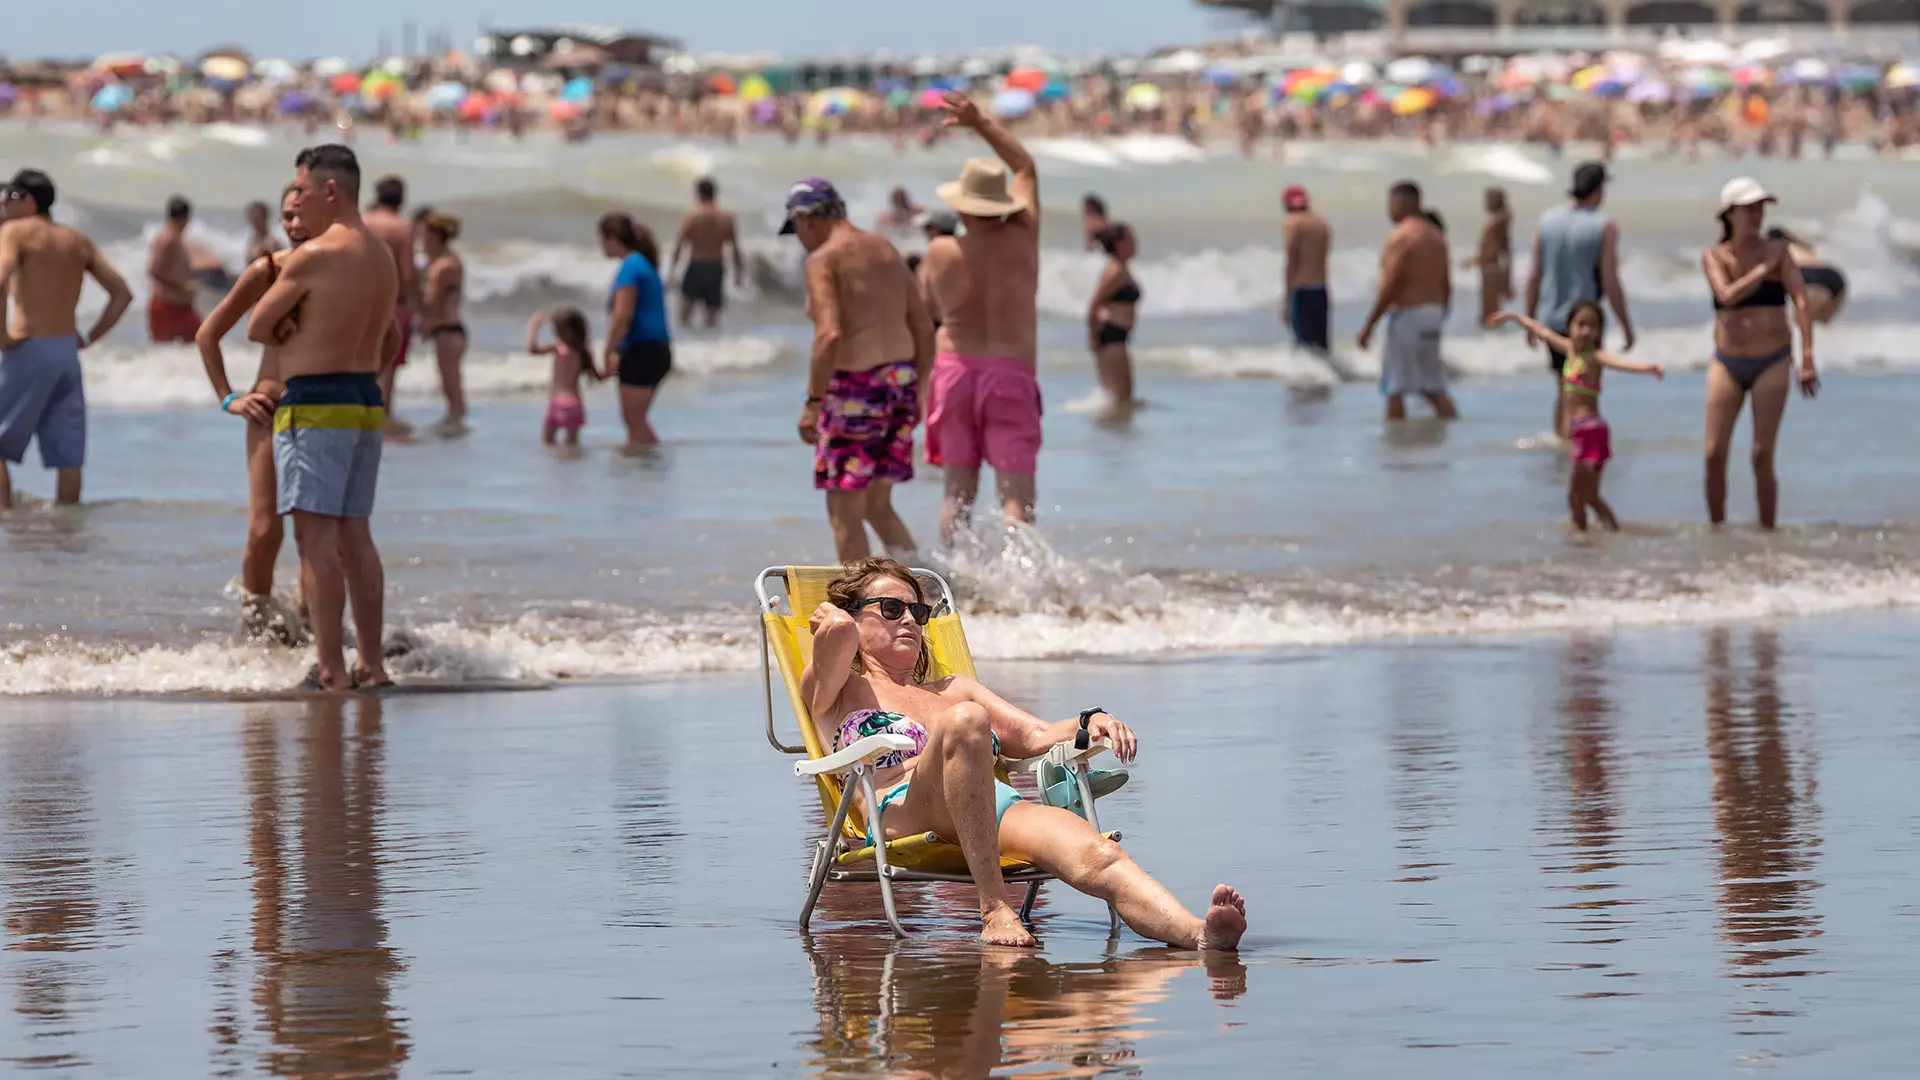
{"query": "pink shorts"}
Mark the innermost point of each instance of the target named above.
(983, 408)
(1592, 441)
(564, 413)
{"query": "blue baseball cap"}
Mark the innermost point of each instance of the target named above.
(809, 196)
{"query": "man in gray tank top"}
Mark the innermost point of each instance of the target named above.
(1576, 257)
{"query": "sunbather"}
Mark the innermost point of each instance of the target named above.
(867, 676)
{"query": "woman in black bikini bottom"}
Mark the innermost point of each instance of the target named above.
(1751, 278)
(1111, 315)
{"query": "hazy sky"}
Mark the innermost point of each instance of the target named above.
(352, 28)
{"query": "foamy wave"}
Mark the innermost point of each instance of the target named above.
(171, 376)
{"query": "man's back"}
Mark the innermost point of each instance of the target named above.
(352, 285)
(1308, 239)
(874, 291)
(169, 268)
(1425, 273)
(50, 264)
(397, 233)
(707, 230)
(985, 284)
(1570, 239)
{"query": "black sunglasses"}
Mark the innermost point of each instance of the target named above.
(892, 608)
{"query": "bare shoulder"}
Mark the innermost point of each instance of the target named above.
(943, 249)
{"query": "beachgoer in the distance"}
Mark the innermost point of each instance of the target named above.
(572, 358)
(1416, 290)
(442, 294)
(1111, 316)
(1494, 258)
(1826, 286)
(389, 197)
(872, 356)
(706, 235)
(1305, 305)
(984, 400)
(934, 224)
(1576, 256)
(867, 675)
(639, 348)
(1752, 279)
(1592, 439)
(170, 314)
(345, 284)
(265, 530)
(1093, 218)
(898, 218)
(260, 241)
(42, 269)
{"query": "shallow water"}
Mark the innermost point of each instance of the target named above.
(1683, 851)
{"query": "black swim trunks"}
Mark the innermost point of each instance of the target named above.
(704, 283)
(645, 363)
(1309, 317)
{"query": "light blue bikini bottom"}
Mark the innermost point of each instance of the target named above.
(1003, 798)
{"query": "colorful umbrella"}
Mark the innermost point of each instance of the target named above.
(1009, 104)
(445, 96)
(225, 68)
(1029, 79)
(1516, 78)
(754, 88)
(1751, 75)
(344, 83)
(379, 86)
(1587, 76)
(722, 83)
(1901, 76)
(1143, 96)
(1650, 92)
(835, 101)
(1221, 76)
(121, 64)
(1806, 71)
(472, 108)
(578, 90)
(1413, 71)
(563, 110)
(899, 97)
(1710, 80)
(1416, 100)
(112, 98)
(934, 99)
(1857, 77)
(1056, 90)
(765, 111)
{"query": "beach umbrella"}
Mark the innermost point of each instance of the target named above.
(1359, 73)
(765, 111)
(948, 82)
(1650, 92)
(1450, 87)
(1219, 75)
(7, 93)
(1751, 75)
(1857, 77)
(1902, 76)
(330, 67)
(722, 83)
(122, 63)
(1009, 104)
(933, 99)
(445, 96)
(578, 90)
(834, 101)
(230, 69)
(472, 108)
(1144, 96)
(1587, 76)
(754, 88)
(899, 97)
(293, 102)
(1413, 71)
(1416, 100)
(1030, 79)
(355, 103)
(1056, 90)
(344, 83)
(564, 110)
(1805, 71)
(112, 98)
(378, 86)
(1706, 81)
(275, 71)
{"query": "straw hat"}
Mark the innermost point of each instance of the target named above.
(981, 190)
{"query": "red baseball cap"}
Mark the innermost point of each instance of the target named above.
(1294, 197)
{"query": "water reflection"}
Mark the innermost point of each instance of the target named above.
(1423, 752)
(54, 906)
(1586, 844)
(1766, 826)
(919, 1010)
(322, 971)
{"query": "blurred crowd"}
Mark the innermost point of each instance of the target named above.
(1763, 99)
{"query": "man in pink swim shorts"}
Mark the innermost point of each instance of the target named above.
(984, 402)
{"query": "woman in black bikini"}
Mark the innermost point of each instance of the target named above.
(1752, 278)
(1826, 285)
(1110, 317)
(445, 278)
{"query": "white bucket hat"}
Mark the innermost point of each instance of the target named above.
(1744, 191)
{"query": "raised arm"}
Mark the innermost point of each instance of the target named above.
(835, 642)
(225, 316)
(533, 335)
(1025, 182)
(118, 295)
(1535, 327)
(1610, 281)
(1024, 735)
(284, 295)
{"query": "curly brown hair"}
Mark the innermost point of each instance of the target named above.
(852, 584)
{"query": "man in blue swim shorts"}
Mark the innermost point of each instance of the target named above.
(331, 313)
(42, 268)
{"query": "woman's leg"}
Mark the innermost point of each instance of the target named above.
(634, 403)
(449, 349)
(952, 794)
(1770, 393)
(1724, 400)
(1064, 845)
(265, 532)
(1114, 368)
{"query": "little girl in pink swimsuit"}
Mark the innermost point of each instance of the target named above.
(571, 359)
(1580, 390)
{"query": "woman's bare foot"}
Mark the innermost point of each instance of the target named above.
(1226, 920)
(1003, 927)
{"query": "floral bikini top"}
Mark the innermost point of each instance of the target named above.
(861, 723)
(1581, 375)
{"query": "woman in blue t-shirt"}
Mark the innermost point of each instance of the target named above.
(638, 350)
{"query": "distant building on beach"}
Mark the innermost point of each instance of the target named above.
(572, 46)
(1583, 23)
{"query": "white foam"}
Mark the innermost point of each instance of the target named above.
(1507, 163)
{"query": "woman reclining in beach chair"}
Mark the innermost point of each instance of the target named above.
(869, 660)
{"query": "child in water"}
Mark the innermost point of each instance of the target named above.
(1580, 390)
(571, 359)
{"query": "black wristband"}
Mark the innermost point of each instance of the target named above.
(1087, 714)
(815, 400)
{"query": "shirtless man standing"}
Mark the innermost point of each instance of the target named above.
(389, 196)
(1305, 305)
(706, 233)
(42, 266)
(1416, 287)
(170, 314)
(984, 400)
(345, 284)
(872, 353)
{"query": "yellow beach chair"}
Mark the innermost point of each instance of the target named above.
(844, 854)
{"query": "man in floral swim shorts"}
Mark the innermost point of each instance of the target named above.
(863, 398)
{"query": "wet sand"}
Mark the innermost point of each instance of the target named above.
(1665, 851)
